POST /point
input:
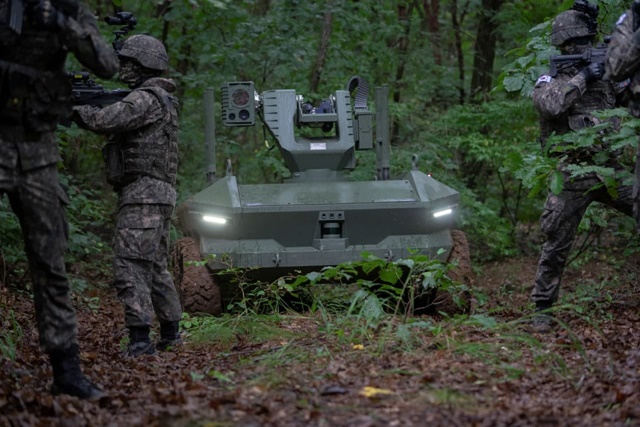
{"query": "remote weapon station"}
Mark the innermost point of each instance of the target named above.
(317, 217)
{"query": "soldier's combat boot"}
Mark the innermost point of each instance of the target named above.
(542, 322)
(169, 336)
(139, 342)
(67, 376)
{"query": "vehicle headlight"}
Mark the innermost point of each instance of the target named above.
(214, 219)
(438, 214)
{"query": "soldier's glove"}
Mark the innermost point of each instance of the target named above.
(593, 72)
(44, 15)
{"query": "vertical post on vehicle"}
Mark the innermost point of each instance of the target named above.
(383, 146)
(210, 134)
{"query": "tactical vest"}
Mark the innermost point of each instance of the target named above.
(600, 95)
(149, 151)
(34, 90)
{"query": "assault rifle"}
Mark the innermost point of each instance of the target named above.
(594, 55)
(87, 92)
(84, 91)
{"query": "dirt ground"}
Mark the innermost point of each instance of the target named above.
(457, 372)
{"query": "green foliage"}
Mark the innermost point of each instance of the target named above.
(532, 61)
(10, 336)
(12, 246)
(477, 149)
(229, 329)
(598, 143)
(87, 216)
(256, 297)
(366, 291)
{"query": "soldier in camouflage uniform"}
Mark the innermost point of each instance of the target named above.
(622, 63)
(35, 37)
(142, 160)
(564, 103)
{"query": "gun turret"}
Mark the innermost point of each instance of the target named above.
(338, 127)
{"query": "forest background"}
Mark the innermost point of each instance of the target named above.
(460, 75)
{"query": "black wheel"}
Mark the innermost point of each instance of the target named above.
(198, 289)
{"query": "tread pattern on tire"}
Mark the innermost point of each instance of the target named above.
(198, 288)
(459, 255)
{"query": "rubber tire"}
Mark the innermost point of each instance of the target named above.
(198, 289)
(442, 302)
(461, 273)
(459, 255)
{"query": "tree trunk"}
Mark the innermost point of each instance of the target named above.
(457, 22)
(321, 57)
(161, 10)
(431, 24)
(182, 67)
(261, 7)
(485, 48)
(401, 45)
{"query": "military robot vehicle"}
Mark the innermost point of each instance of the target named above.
(317, 217)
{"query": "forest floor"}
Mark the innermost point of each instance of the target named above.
(487, 369)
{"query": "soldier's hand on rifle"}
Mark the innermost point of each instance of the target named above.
(44, 14)
(593, 72)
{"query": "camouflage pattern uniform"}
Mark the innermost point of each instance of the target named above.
(34, 94)
(564, 103)
(622, 62)
(142, 160)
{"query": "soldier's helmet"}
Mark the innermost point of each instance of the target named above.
(569, 25)
(147, 50)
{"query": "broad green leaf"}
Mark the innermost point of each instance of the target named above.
(556, 182)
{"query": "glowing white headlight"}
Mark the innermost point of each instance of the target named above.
(214, 219)
(438, 214)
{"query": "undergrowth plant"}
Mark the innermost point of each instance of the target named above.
(10, 336)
